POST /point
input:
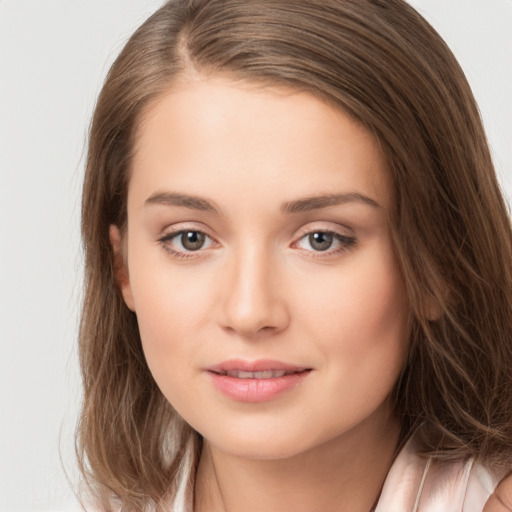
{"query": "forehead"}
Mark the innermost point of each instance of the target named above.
(207, 133)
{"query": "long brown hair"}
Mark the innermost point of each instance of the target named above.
(383, 64)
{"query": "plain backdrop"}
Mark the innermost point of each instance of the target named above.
(53, 58)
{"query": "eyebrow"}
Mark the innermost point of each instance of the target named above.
(325, 200)
(300, 205)
(175, 199)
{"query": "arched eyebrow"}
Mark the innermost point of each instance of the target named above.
(325, 200)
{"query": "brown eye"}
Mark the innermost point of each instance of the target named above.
(320, 241)
(192, 240)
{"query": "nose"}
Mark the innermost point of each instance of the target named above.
(253, 296)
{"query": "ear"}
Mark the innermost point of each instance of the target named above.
(120, 266)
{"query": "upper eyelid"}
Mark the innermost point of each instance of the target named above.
(315, 227)
(170, 232)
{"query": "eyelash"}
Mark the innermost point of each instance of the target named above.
(168, 237)
(345, 243)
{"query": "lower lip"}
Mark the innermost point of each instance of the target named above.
(256, 390)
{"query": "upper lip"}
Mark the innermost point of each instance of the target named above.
(255, 366)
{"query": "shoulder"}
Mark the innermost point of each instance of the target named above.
(425, 485)
(456, 487)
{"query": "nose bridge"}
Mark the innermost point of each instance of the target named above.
(252, 297)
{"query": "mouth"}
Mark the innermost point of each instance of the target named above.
(258, 381)
(265, 374)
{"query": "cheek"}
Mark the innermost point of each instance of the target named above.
(168, 297)
(360, 317)
(171, 307)
(168, 323)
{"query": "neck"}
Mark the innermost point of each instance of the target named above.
(343, 474)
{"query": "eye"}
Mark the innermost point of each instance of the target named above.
(320, 241)
(192, 240)
(325, 241)
(182, 243)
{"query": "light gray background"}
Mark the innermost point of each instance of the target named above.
(54, 56)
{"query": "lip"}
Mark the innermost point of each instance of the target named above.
(255, 390)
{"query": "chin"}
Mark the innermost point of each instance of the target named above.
(264, 443)
(261, 450)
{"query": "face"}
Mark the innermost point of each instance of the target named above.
(260, 266)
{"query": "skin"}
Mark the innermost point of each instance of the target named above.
(259, 289)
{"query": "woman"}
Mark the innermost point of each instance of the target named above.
(298, 267)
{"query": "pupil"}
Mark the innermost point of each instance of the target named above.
(320, 241)
(192, 240)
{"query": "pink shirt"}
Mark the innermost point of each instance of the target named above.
(413, 484)
(416, 484)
